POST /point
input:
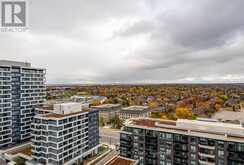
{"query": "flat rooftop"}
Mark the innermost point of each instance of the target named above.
(152, 123)
(52, 115)
(201, 128)
(60, 116)
(102, 106)
(14, 63)
(23, 149)
(135, 108)
(46, 107)
(26, 151)
(118, 160)
(229, 116)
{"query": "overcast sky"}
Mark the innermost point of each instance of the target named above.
(132, 41)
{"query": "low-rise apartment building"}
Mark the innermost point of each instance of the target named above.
(108, 111)
(66, 135)
(134, 112)
(182, 142)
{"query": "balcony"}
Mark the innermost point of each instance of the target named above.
(206, 155)
(207, 147)
(201, 162)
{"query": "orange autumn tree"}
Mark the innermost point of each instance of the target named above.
(217, 107)
(95, 102)
(184, 113)
(153, 104)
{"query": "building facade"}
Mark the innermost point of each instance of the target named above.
(108, 111)
(66, 135)
(93, 129)
(160, 142)
(22, 88)
(134, 112)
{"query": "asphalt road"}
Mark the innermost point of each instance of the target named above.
(109, 136)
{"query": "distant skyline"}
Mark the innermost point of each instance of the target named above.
(140, 41)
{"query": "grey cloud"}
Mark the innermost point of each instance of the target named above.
(124, 41)
(204, 25)
(195, 24)
(63, 17)
(140, 27)
(217, 56)
(197, 33)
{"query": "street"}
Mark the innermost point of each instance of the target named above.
(109, 136)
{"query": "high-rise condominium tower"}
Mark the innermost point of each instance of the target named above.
(22, 88)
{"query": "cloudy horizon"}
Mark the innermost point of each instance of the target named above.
(147, 41)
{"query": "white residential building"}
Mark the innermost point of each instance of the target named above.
(134, 112)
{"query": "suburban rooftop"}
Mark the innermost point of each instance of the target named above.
(214, 129)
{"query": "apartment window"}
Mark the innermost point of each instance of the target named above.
(240, 147)
(54, 128)
(177, 137)
(136, 145)
(136, 138)
(193, 156)
(169, 136)
(193, 148)
(162, 163)
(220, 144)
(221, 162)
(52, 156)
(220, 154)
(162, 156)
(52, 150)
(52, 133)
(193, 140)
(168, 151)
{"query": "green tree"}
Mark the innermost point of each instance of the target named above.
(19, 161)
(101, 122)
(116, 122)
(224, 97)
(156, 115)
